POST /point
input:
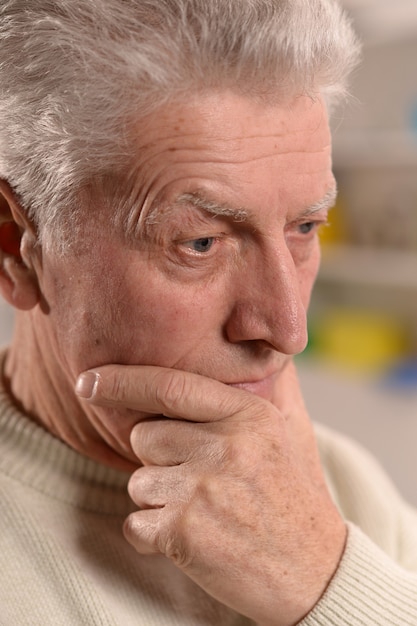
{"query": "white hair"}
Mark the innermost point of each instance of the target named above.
(76, 74)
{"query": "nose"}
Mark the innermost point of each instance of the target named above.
(268, 303)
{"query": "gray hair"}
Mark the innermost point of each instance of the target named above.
(76, 74)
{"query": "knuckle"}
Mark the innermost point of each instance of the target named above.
(115, 386)
(236, 449)
(176, 552)
(171, 390)
(174, 542)
(244, 452)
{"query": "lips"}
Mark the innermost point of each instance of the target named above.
(263, 387)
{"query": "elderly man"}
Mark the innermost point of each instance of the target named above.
(165, 168)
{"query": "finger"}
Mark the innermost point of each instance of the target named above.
(141, 530)
(170, 442)
(154, 487)
(158, 390)
(155, 531)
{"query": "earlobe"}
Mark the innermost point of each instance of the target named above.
(18, 280)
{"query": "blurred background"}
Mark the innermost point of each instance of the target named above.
(359, 372)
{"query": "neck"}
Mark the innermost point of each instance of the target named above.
(42, 388)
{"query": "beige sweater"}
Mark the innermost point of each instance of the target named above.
(64, 561)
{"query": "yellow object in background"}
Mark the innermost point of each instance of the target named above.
(336, 230)
(359, 340)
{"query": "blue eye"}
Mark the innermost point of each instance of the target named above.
(307, 227)
(201, 245)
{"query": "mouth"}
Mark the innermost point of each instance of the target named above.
(262, 387)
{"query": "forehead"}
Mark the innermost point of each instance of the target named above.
(231, 149)
(226, 117)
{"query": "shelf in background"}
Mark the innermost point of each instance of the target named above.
(366, 148)
(359, 265)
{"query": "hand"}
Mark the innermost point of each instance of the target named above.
(230, 490)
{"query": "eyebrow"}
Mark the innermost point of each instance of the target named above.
(200, 202)
(197, 200)
(326, 203)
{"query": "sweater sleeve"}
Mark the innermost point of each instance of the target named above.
(376, 581)
(368, 589)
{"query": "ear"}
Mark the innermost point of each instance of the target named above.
(18, 278)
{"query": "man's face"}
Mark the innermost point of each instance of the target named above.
(217, 276)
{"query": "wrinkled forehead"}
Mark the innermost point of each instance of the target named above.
(226, 128)
(231, 117)
(226, 150)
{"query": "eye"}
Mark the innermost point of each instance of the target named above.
(200, 245)
(306, 227)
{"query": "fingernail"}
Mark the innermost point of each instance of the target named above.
(86, 385)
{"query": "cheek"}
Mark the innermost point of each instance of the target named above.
(151, 321)
(88, 311)
(307, 274)
(118, 307)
